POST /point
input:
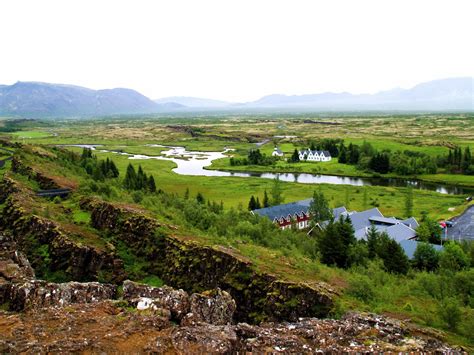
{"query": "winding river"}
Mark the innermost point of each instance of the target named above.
(194, 163)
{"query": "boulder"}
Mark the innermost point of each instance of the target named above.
(215, 307)
(176, 301)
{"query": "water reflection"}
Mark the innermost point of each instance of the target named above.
(194, 163)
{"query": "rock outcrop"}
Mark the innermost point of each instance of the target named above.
(107, 327)
(176, 301)
(196, 268)
(35, 295)
(77, 261)
(213, 307)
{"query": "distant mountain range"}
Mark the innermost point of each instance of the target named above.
(35, 99)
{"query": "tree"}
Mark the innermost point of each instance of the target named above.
(336, 242)
(295, 157)
(372, 242)
(151, 184)
(276, 192)
(200, 198)
(425, 257)
(429, 230)
(113, 169)
(266, 201)
(409, 202)
(453, 257)
(130, 181)
(319, 208)
(252, 204)
(257, 204)
(186, 194)
(342, 155)
(394, 258)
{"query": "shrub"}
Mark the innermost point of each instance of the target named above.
(361, 287)
(453, 257)
(450, 312)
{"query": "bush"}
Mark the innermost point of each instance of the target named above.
(361, 287)
(453, 257)
(450, 312)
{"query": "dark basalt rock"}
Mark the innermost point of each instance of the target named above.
(79, 262)
(176, 301)
(213, 307)
(37, 294)
(196, 268)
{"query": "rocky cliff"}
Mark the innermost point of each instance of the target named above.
(194, 267)
(49, 247)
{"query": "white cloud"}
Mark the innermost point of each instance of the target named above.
(235, 50)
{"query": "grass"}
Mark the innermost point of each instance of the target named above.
(391, 295)
(31, 134)
(235, 191)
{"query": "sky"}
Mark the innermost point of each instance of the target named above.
(236, 50)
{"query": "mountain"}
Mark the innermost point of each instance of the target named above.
(193, 102)
(35, 99)
(444, 94)
(50, 100)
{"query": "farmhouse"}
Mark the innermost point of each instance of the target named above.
(294, 213)
(277, 152)
(314, 155)
(297, 214)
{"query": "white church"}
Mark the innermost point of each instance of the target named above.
(314, 155)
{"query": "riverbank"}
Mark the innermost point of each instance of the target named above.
(333, 168)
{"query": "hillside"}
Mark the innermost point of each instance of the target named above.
(35, 99)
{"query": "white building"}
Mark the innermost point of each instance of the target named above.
(277, 152)
(314, 155)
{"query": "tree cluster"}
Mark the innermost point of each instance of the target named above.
(458, 161)
(98, 169)
(254, 157)
(366, 157)
(138, 180)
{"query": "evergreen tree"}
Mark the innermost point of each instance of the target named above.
(200, 198)
(141, 179)
(186, 194)
(113, 169)
(354, 154)
(295, 157)
(409, 202)
(335, 243)
(467, 160)
(151, 184)
(373, 242)
(342, 155)
(276, 192)
(130, 181)
(252, 204)
(266, 200)
(393, 256)
(257, 204)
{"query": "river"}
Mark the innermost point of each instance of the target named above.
(193, 163)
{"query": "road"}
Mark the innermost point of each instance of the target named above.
(463, 227)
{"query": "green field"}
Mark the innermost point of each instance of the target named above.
(30, 134)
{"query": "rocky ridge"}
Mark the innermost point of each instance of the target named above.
(93, 317)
